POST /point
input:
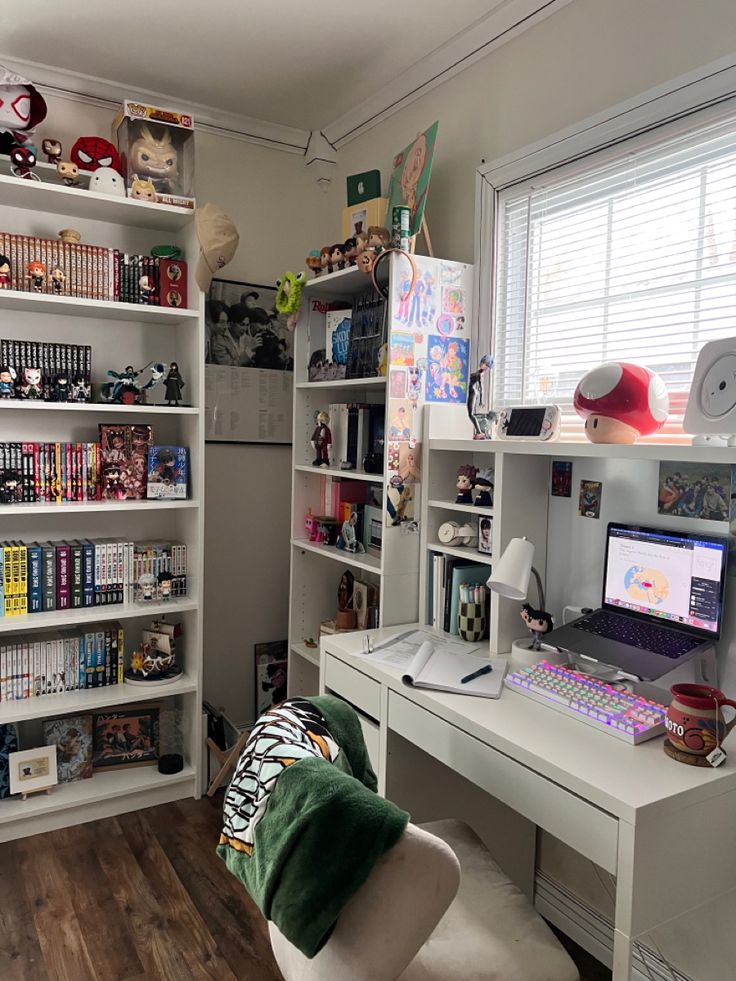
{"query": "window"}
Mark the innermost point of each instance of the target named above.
(627, 253)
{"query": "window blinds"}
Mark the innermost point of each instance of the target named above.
(631, 258)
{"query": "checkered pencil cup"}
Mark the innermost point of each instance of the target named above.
(471, 620)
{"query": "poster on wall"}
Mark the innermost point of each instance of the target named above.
(249, 365)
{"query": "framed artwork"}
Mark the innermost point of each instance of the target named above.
(32, 769)
(125, 738)
(72, 737)
(271, 661)
(249, 363)
(410, 177)
(8, 745)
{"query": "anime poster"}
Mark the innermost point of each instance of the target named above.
(410, 177)
(561, 478)
(589, 502)
(447, 369)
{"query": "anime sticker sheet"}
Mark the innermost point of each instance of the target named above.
(429, 352)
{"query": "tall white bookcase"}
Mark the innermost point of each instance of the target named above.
(120, 334)
(316, 568)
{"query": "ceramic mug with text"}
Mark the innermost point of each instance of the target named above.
(695, 722)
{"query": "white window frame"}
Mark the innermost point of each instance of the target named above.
(703, 91)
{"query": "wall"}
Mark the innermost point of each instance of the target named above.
(276, 207)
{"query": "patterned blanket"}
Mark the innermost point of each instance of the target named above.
(303, 825)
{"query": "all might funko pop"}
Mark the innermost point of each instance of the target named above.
(156, 148)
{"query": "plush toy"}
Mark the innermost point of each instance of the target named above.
(289, 296)
(620, 402)
(22, 108)
(91, 152)
(106, 180)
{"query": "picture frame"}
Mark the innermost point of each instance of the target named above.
(32, 770)
(485, 534)
(124, 738)
(271, 661)
(72, 737)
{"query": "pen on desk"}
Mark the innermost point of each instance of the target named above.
(486, 669)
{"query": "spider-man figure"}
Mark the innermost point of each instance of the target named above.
(91, 152)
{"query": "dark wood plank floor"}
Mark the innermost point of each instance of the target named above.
(142, 897)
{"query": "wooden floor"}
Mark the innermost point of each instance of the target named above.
(142, 897)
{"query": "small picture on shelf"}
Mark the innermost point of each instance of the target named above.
(485, 535)
(72, 737)
(125, 738)
(271, 665)
(32, 770)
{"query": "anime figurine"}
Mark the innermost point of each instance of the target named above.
(539, 623)
(80, 389)
(57, 278)
(365, 261)
(378, 238)
(165, 585)
(68, 172)
(91, 152)
(113, 488)
(337, 256)
(484, 485)
(142, 189)
(7, 382)
(146, 287)
(314, 262)
(347, 538)
(22, 161)
(22, 108)
(52, 149)
(325, 258)
(60, 387)
(621, 402)
(321, 441)
(36, 274)
(10, 487)
(173, 384)
(481, 418)
(127, 389)
(465, 479)
(154, 156)
(146, 585)
(351, 251)
(106, 180)
(31, 385)
(288, 298)
(5, 274)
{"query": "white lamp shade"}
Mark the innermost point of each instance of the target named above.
(510, 575)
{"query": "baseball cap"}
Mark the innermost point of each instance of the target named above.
(218, 242)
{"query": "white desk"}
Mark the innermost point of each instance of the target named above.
(665, 830)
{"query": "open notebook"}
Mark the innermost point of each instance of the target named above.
(441, 670)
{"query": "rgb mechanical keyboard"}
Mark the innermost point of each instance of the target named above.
(617, 712)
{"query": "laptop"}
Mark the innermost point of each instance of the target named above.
(662, 601)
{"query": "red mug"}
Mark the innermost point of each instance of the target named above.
(694, 722)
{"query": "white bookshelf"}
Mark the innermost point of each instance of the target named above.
(119, 334)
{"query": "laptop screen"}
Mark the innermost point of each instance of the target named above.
(665, 575)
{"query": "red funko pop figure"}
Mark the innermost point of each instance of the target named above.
(91, 152)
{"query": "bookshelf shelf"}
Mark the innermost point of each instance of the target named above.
(341, 283)
(73, 702)
(359, 561)
(98, 408)
(93, 614)
(462, 552)
(375, 478)
(78, 202)
(310, 654)
(378, 381)
(75, 507)
(465, 508)
(18, 301)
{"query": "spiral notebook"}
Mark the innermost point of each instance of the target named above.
(441, 670)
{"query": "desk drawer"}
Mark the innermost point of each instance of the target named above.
(358, 689)
(584, 827)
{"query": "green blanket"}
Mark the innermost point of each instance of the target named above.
(303, 825)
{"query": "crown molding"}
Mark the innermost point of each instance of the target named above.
(472, 44)
(103, 93)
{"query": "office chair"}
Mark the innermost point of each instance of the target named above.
(393, 929)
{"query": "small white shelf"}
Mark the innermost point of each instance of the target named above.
(462, 552)
(102, 786)
(310, 654)
(78, 202)
(19, 301)
(73, 702)
(465, 508)
(75, 507)
(376, 381)
(343, 282)
(56, 619)
(682, 452)
(360, 560)
(23, 405)
(375, 478)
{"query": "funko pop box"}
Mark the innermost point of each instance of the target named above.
(157, 145)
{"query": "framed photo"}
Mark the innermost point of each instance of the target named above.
(125, 738)
(485, 535)
(32, 769)
(72, 737)
(271, 660)
(249, 364)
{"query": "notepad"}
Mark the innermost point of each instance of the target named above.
(441, 670)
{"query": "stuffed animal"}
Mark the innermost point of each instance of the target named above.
(289, 296)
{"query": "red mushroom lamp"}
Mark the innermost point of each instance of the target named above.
(621, 402)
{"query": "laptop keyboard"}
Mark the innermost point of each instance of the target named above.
(635, 633)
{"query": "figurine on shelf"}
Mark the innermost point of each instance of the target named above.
(92, 152)
(68, 172)
(22, 108)
(361, 243)
(484, 485)
(480, 415)
(165, 584)
(378, 238)
(173, 384)
(70, 236)
(154, 156)
(337, 256)
(147, 586)
(346, 617)
(314, 262)
(22, 161)
(106, 180)
(146, 287)
(347, 538)
(7, 382)
(52, 149)
(60, 387)
(57, 278)
(365, 261)
(36, 275)
(539, 623)
(465, 479)
(5, 274)
(620, 402)
(31, 384)
(128, 388)
(325, 259)
(143, 189)
(80, 389)
(322, 440)
(351, 251)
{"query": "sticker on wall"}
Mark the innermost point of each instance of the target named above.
(399, 502)
(414, 383)
(561, 478)
(451, 274)
(445, 325)
(453, 301)
(402, 349)
(695, 490)
(589, 503)
(401, 421)
(402, 295)
(409, 465)
(459, 324)
(397, 383)
(447, 369)
(392, 461)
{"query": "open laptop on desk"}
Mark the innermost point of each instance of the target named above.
(662, 601)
